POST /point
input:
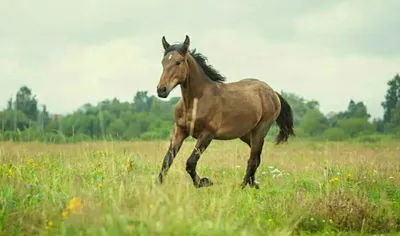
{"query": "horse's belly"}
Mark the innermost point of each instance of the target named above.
(235, 127)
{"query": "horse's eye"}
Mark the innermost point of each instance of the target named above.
(177, 63)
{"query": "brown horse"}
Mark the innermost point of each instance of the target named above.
(210, 109)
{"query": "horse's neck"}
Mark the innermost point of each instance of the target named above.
(195, 84)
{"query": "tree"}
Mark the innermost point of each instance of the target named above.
(394, 125)
(392, 97)
(314, 123)
(379, 125)
(354, 110)
(10, 104)
(142, 102)
(357, 110)
(27, 103)
(356, 126)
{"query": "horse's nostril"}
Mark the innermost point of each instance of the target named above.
(161, 90)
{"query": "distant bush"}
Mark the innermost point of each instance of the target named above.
(335, 134)
(369, 139)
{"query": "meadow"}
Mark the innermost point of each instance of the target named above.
(108, 188)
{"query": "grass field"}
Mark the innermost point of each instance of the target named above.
(107, 188)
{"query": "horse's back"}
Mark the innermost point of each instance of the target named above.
(249, 85)
(257, 93)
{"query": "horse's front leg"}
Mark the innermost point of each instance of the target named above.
(202, 143)
(177, 138)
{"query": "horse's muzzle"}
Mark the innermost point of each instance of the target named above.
(162, 92)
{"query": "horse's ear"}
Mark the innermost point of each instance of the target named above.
(186, 44)
(165, 43)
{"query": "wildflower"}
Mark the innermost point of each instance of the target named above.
(75, 204)
(276, 173)
(29, 162)
(334, 180)
(100, 185)
(49, 224)
(349, 177)
(100, 170)
(64, 214)
(9, 172)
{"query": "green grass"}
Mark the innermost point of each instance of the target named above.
(306, 188)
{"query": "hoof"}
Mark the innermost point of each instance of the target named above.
(205, 182)
(255, 185)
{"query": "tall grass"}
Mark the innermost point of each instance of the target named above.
(108, 188)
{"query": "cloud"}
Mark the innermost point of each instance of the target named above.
(75, 52)
(354, 27)
(81, 74)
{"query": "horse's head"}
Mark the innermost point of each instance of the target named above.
(175, 66)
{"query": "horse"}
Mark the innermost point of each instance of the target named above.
(210, 109)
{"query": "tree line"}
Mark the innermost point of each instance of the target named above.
(149, 118)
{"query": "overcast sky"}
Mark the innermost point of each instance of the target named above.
(73, 52)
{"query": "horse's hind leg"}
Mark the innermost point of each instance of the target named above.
(256, 145)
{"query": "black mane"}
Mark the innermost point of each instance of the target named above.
(209, 70)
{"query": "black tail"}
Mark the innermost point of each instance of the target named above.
(284, 121)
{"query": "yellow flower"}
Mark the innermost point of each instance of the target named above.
(49, 224)
(75, 204)
(100, 185)
(334, 180)
(9, 172)
(29, 162)
(100, 170)
(64, 214)
(349, 177)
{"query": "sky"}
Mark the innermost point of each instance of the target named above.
(75, 52)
